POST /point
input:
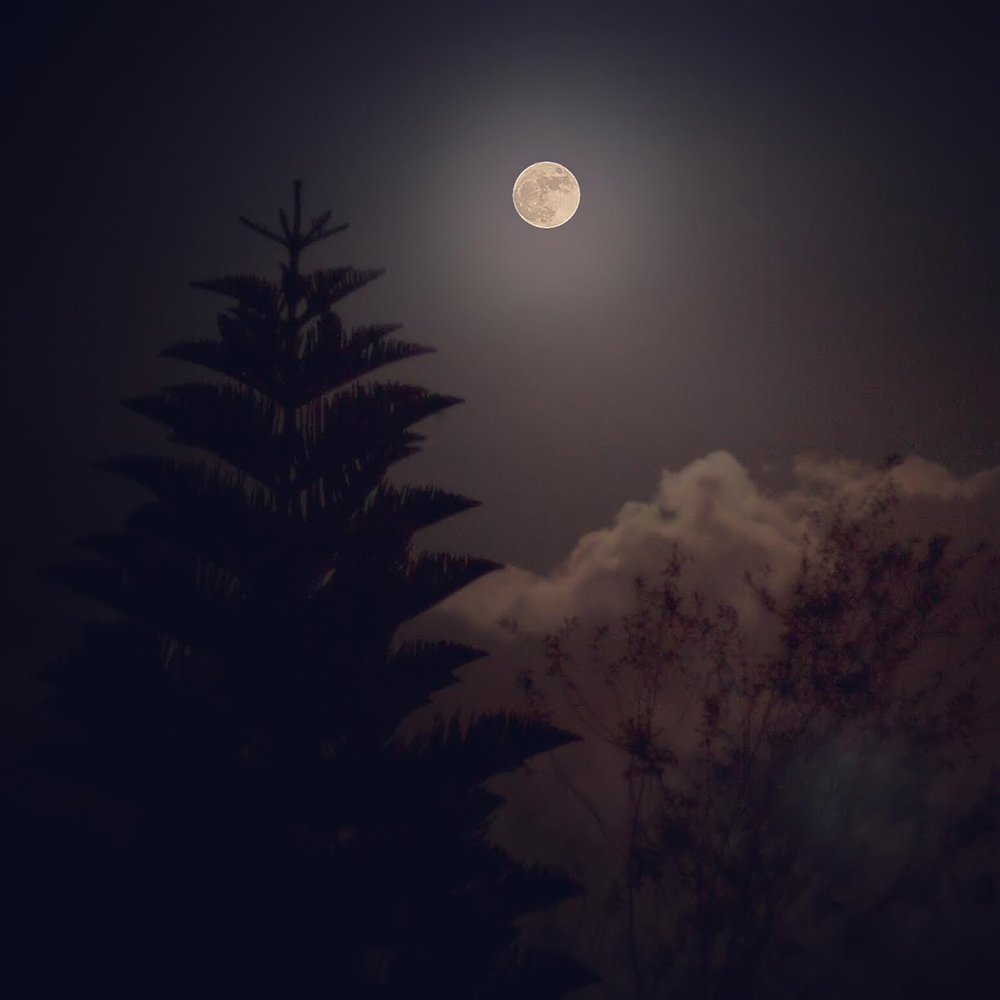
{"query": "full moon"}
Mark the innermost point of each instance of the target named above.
(546, 195)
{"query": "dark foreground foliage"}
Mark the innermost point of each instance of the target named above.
(238, 813)
(813, 817)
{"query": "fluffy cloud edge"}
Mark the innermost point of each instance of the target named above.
(727, 523)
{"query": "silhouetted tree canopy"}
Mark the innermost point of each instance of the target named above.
(274, 833)
(813, 818)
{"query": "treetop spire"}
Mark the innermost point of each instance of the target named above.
(292, 238)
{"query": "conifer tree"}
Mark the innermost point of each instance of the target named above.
(244, 710)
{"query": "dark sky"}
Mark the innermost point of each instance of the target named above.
(787, 240)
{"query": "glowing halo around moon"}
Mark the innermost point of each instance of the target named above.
(546, 195)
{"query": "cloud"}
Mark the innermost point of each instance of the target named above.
(718, 515)
(727, 523)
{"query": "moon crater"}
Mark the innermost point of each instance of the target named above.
(546, 195)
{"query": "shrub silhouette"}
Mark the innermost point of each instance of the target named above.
(790, 832)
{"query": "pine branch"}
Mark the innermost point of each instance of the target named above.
(207, 508)
(433, 576)
(149, 584)
(263, 231)
(245, 362)
(317, 231)
(327, 363)
(328, 287)
(363, 426)
(490, 744)
(410, 508)
(322, 234)
(228, 421)
(418, 670)
(251, 291)
(319, 222)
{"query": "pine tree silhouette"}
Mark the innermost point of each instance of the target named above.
(277, 834)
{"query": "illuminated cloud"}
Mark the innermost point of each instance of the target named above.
(718, 515)
(727, 523)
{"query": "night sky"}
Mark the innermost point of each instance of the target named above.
(787, 238)
(784, 261)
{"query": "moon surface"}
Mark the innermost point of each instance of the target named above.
(546, 195)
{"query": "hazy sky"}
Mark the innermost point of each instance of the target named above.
(786, 243)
